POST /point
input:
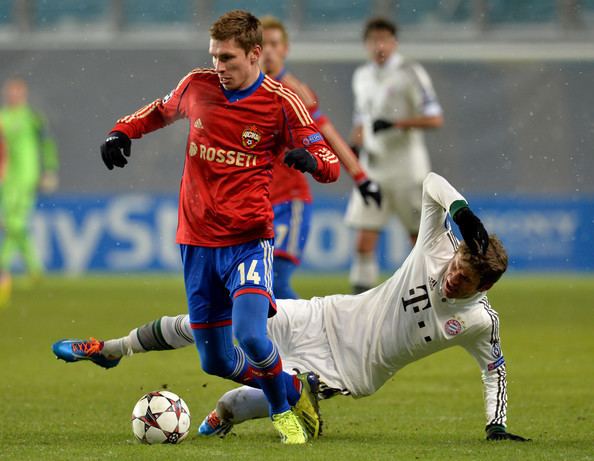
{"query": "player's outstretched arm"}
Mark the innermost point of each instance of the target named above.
(309, 151)
(439, 199)
(499, 432)
(422, 123)
(157, 114)
(485, 347)
(370, 190)
(473, 232)
(438, 196)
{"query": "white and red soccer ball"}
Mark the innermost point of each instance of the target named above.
(160, 417)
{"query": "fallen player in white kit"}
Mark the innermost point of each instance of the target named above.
(355, 343)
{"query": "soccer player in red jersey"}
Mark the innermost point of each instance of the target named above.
(240, 121)
(290, 193)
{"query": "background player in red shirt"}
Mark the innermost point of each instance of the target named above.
(240, 122)
(290, 193)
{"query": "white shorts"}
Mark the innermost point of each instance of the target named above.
(299, 332)
(402, 201)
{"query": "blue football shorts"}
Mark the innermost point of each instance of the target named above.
(292, 220)
(215, 276)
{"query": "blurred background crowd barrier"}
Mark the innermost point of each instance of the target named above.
(459, 18)
(514, 78)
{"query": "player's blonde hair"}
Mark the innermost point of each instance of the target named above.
(270, 22)
(490, 266)
(240, 25)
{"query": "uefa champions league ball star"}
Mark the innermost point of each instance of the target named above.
(160, 417)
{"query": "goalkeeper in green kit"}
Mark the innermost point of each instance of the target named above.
(28, 162)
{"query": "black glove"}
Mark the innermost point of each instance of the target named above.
(497, 432)
(356, 150)
(370, 190)
(473, 232)
(381, 124)
(301, 160)
(115, 149)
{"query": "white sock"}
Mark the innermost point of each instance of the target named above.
(364, 270)
(117, 348)
(162, 334)
(243, 403)
(177, 331)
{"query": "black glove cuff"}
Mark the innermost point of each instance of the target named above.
(118, 134)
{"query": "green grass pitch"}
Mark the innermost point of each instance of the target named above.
(430, 410)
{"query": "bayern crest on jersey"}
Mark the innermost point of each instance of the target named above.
(250, 137)
(453, 327)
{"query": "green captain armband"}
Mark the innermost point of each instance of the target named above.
(457, 206)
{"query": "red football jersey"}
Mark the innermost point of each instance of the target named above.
(235, 138)
(287, 183)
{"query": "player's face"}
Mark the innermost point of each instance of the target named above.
(274, 51)
(14, 93)
(460, 279)
(380, 45)
(236, 69)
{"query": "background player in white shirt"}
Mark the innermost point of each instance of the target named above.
(394, 103)
(355, 343)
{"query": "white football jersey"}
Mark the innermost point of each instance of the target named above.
(399, 89)
(375, 334)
